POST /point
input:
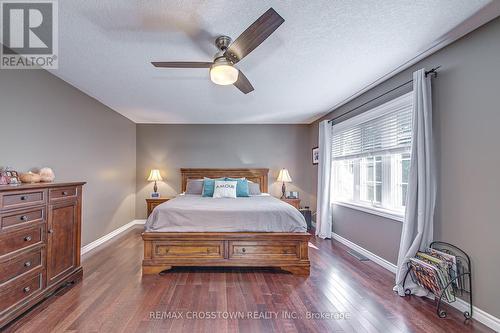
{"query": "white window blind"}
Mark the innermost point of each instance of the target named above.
(385, 129)
(371, 159)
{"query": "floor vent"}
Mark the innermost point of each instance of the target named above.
(358, 255)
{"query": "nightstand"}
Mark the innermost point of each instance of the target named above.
(153, 202)
(294, 202)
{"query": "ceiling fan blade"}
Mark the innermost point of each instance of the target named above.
(254, 35)
(243, 84)
(182, 64)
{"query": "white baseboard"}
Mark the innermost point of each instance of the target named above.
(109, 236)
(478, 314)
(373, 257)
(461, 305)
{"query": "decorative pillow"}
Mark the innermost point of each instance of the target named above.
(225, 189)
(194, 186)
(254, 189)
(208, 186)
(241, 188)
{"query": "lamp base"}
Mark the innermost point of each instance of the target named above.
(155, 193)
(283, 190)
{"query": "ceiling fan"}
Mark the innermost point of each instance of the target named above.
(222, 70)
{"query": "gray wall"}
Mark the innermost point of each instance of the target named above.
(378, 234)
(466, 98)
(171, 147)
(47, 122)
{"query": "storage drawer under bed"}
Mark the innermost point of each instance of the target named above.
(261, 249)
(181, 249)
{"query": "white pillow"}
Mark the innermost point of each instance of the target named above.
(225, 189)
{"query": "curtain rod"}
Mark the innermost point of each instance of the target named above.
(432, 72)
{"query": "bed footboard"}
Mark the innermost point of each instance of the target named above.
(287, 251)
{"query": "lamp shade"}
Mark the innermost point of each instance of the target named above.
(222, 72)
(284, 176)
(154, 175)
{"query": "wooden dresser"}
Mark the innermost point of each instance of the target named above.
(40, 228)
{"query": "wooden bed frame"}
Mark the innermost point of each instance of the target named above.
(287, 251)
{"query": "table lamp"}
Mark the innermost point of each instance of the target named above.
(155, 176)
(284, 177)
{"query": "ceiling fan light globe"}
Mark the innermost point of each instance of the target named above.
(223, 74)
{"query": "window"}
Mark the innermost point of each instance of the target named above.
(371, 180)
(402, 167)
(371, 158)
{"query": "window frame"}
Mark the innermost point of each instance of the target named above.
(388, 214)
(389, 160)
(387, 196)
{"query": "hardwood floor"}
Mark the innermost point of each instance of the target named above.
(114, 297)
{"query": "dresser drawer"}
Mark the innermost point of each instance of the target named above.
(21, 264)
(179, 249)
(20, 239)
(154, 204)
(262, 250)
(12, 200)
(62, 193)
(20, 290)
(21, 218)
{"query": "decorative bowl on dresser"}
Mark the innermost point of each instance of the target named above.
(40, 228)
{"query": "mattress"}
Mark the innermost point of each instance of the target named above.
(193, 213)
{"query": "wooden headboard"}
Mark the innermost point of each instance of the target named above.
(255, 175)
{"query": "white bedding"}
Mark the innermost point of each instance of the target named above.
(193, 213)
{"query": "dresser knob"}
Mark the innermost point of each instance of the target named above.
(51, 231)
(24, 198)
(27, 238)
(27, 264)
(24, 218)
(27, 289)
(65, 193)
(243, 250)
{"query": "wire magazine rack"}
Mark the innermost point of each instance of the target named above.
(460, 283)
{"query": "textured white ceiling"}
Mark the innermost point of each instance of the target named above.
(324, 52)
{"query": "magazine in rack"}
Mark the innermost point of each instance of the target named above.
(444, 270)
